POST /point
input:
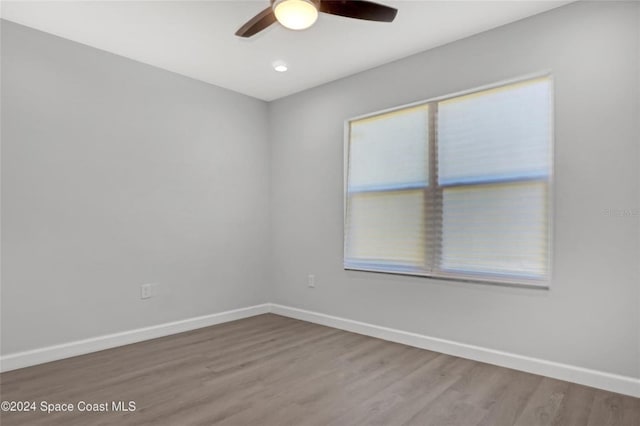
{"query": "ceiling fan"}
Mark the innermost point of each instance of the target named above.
(301, 14)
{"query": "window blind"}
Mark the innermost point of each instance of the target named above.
(457, 187)
(388, 172)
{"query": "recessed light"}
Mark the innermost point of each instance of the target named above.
(280, 66)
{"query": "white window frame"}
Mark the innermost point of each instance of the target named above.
(437, 273)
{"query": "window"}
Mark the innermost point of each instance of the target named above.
(457, 187)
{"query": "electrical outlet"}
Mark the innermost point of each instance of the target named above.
(311, 281)
(147, 291)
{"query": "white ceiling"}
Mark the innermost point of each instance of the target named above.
(196, 38)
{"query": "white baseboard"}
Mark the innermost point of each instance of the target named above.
(597, 379)
(94, 344)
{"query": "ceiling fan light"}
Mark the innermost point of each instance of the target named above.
(295, 14)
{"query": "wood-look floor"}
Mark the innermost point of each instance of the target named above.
(270, 370)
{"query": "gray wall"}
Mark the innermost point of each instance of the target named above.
(590, 317)
(115, 174)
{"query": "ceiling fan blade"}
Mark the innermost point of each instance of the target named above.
(357, 9)
(258, 23)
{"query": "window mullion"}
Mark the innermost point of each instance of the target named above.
(433, 196)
